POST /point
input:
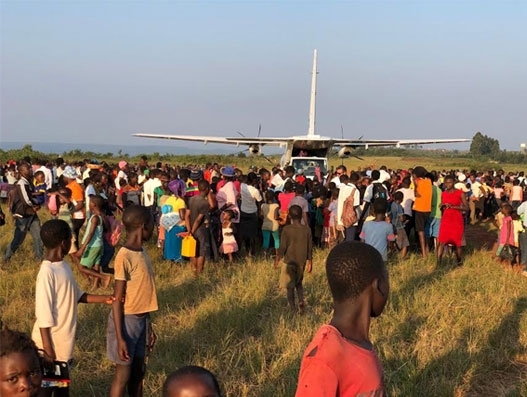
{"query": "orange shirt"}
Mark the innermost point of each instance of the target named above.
(423, 195)
(77, 194)
(334, 366)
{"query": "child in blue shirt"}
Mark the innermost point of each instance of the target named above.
(378, 232)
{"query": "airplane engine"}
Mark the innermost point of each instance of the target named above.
(345, 152)
(255, 150)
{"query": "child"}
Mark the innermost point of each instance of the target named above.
(228, 244)
(19, 359)
(92, 247)
(398, 221)
(506, 236)
(333, 216)
(378, 232)
(270, 212)
(39, 192)
(340, 360)
(128, 327)
(191, 381)
(56, 298)
(296, 247)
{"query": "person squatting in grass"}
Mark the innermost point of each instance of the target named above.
(20, 371)
(129, 330)
(56, 298)
(341, 360)
(191, 381)
(296, 248)
(91, 250)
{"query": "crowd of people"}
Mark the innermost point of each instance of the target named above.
(222, 213)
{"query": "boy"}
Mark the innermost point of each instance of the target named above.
(296, 247)
(191, 380)
(56, 298)
(340, 360)
(129, 320)
(398, 221)
(378, 232)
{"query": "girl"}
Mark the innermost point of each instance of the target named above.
(270, 212)
(228, 245)
(452, 226)
(506, 236)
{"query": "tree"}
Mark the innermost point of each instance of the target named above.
(483, 145)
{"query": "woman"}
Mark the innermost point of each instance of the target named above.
(452, 227)
(251, 199)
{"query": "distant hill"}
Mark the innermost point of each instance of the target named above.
(171, 147)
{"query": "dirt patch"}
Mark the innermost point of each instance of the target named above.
(479, 237)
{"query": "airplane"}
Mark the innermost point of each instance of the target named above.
(304, 151)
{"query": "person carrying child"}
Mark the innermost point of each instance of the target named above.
(91, 250)
(128, 333)
(296, 246)
(56, 298)
(341, 360)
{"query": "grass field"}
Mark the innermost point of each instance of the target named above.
(445, 332)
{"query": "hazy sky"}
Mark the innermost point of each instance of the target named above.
(79, 71)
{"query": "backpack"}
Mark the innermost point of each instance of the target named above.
(349, 215)
(113, 235)
(379, 191)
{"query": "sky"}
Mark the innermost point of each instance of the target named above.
(98, 71)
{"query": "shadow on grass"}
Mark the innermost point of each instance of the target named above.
(489, 372)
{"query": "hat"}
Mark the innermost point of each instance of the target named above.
(461, 178)
(70, 172)
(196, 175)
(227, 171)
(461, 186)
(122, 164)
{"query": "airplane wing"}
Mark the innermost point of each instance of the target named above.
(213, 139)
(393, 142)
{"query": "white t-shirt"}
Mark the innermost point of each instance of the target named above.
(148, 191)
(56, 298)
(120, 175)
(408, 200)
(249, 195)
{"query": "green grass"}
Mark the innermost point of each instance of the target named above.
(445, 332)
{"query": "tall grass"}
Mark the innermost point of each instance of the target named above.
(446, 331)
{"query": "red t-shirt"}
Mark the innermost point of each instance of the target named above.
(334, 366)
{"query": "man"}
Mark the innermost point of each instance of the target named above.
(422, 205)
(24, 210)
(341, 170)
(477, 198)
(197, 224)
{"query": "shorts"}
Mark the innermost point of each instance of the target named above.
(135, 334)
(92, 256)
(202, 237)
(402, 239)
(291, 275)
(432, 227)
(420, 220)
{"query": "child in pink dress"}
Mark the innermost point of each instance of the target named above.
(229, 244)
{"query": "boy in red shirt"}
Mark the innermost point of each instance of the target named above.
(340, 360)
